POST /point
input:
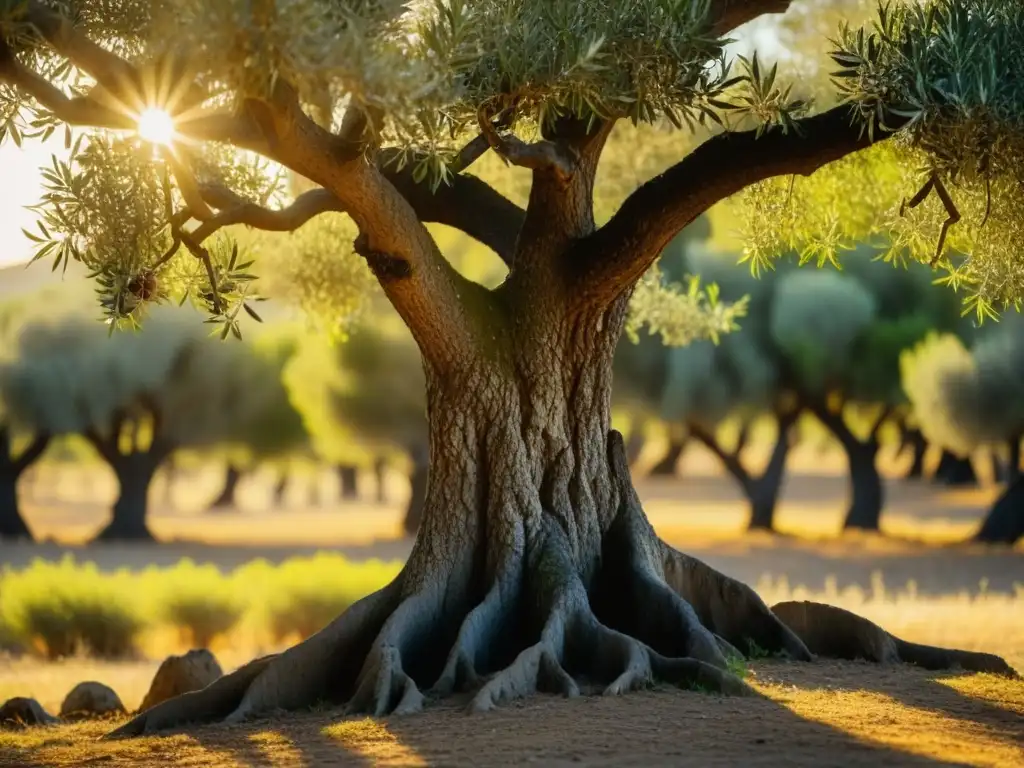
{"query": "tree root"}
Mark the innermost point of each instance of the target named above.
(573, 638)
(837, 633)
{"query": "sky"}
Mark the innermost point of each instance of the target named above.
(20, 186)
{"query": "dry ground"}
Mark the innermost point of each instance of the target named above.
(805, 714)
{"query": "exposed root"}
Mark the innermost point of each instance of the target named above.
(839, 634)
(296, 678)
(573, 638)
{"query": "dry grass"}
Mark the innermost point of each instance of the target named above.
(807, 715)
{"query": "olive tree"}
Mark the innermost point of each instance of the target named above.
(380, 398)
(274, 429)
(968, 397)
(22, 443)
(534, 555)
(136, 397)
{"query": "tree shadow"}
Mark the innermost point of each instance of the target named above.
(653, 728)
(913, 687)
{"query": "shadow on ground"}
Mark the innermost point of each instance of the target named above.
(820, 714)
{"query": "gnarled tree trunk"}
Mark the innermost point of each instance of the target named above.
(1004, 523)
(955, 471)
(226, 499)
(12, 525)
(534, 566)
(348, 481)
(135, 473)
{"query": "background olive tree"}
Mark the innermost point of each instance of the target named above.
(137, 397)
(966, 397)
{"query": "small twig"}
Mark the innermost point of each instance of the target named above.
(204, 256)
(953, 215)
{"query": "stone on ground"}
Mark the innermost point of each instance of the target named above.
(91, 700)
(21, 712)
(181, 674)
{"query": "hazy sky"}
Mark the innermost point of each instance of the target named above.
(19, 186)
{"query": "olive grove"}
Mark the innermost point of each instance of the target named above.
(969, 396)
(137, 398)
(21, 445)
(534, 565)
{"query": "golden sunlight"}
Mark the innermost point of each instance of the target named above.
(156, 126)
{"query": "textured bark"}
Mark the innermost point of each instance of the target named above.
(955, 471)
(128, 519)
(226, 499)
(669, 464)
(1004, 523)
(348, 480)
(12, 525)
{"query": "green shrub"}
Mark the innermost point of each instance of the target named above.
(66, 608)
(306, 594)
(200, 601)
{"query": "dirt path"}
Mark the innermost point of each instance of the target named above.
(819, 714)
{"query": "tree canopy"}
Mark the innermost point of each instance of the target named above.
(434, 84)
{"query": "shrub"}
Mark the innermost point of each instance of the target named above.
(66, 608)
(199, 601)
(306, 594)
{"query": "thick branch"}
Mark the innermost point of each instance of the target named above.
(615, 256)
(466, 203)
(73, 111)
(731, 461)
(31, 454)
(729, 14)
(544, 155)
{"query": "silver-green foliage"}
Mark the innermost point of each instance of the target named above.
(70, 377)
(964, 397)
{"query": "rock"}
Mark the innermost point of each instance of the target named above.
(91, 699)
(181, 674)
(20, 712)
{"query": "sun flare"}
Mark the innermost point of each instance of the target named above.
(156, 126)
